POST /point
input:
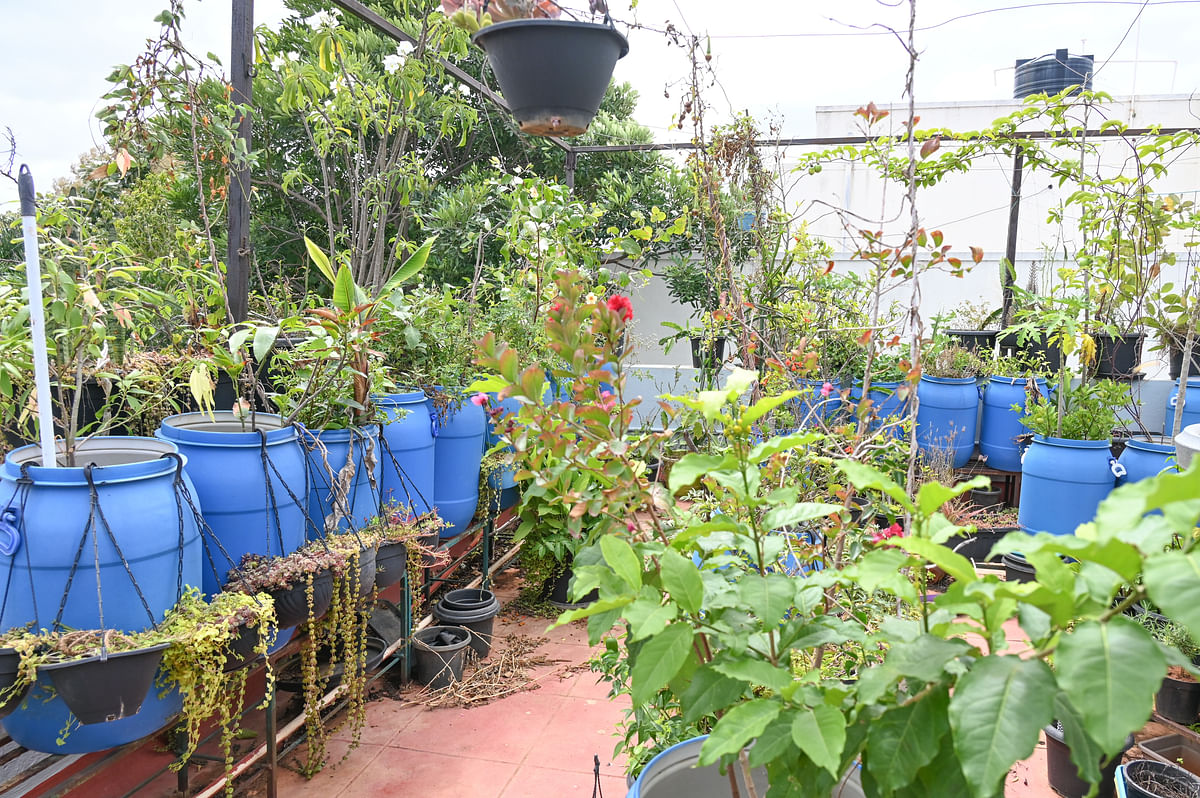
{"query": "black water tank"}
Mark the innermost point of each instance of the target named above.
(1050, 74)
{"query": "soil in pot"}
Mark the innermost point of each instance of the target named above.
(390, 561)
(1179, 697)
(102, 689)
(1146, 778)
(291, 604)
(438, 654)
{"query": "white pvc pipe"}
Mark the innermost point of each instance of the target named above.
(37, 323)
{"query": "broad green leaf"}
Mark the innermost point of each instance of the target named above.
(237, 339)
(946, 558)
(997, 710)
(690, 468)
(709, 691)
(882, 569)
(774, 742)
(681, 580)
(1084, 752)
(773, 446)
(414, 264)
(821, 734)
(320, 259)
(768, 596)
(1173, 581)
(755, 672)
(737, 728)
(343, 289)
(780, 517)
(739, 382)
(264, 339)
(658, 660)
(648, 616)
(1175, 494)
(925, 658)
(1110, 672)
(903, 740)
(595, 608)
(864, 477)
(766, 405)
(621, 557)
(932, 495)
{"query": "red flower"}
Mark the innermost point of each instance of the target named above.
(893, 531)
(622, 305)
(556, 307)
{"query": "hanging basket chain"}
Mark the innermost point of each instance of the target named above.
(24, 488)
(405, 479)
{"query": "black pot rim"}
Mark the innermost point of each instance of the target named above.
(420, 642)
(479, 37)
(60, 666)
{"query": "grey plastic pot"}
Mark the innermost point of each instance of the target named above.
(476, 611)
(438, 653)
(674, 773)
(1187, 443)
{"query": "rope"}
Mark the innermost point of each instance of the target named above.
(23, 489)
(99, 511)
(405, 479)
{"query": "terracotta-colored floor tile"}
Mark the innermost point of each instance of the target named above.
(334, 778)
(582, 728)
(539, 782)
(384, 719)
(403, 772)
(1028, 779)
(588, 684)
(503, 731)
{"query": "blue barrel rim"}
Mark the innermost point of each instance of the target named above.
(948, 380)
(1143, 443)
(1071, 443)
(192, 436)
(155, 464)
(402, 398)
(1016, 380)
(343, 435)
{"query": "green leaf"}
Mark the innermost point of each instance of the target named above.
(754, 672)
(1084, 752)
(621, 557)
(1110, 672)
(709, 691)
(739, 382)
(647, 616)
(864, 477)
(821, 734)
(320, 259)
(766, 405)
(681, 579)
(932, 495)
(264, 339)
(690, 468)
(780, 517)
(773, 446)
(343, 289)
(997, 710)
(737, 728)
(1173, 581)
(658, 660)
(774, 742)
(595, 608)
(414, 264)
(882, 569)
(768, 596)
(926, 657)
(944, 557)
(903, 740)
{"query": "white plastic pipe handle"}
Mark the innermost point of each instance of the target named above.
(1118, 470)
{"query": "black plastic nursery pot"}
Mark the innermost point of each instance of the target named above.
(557, 591)
(10, 663)
(1118, 355)
(985, 498)
(978, 547)
(1017, 568)
(291, 604)
(1147, 778)
(438, 655)
(390, 561)
(1035, 347)
(106, 688)
(1177, 360)
(975, 340)
(1177, 749)
(241, 649)
(552, 72)
(1064, 776)
(474, 609)
(1178, 700)
(710, 357)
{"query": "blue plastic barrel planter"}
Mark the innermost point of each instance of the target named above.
(888, 403)
(251, 486)
(1147, 456)
(459, 452)
(408, 450)
(327, 453)
(1191, 407)
(1063, 482)
(43, 522)
(947, 411)
(1000, 425)
(810, 406)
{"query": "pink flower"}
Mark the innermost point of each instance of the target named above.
(629, 525)
(607, 400)
(826, 390)
(893, 531)
(622, 305)
(479, 399)
(556, 307)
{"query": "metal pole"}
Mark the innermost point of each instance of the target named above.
(237, 265)
(570, 168)
(1010, 251)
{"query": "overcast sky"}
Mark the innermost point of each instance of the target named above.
(771, 56)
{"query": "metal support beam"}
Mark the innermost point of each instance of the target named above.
(389, 29)
(572, 156)
(237, 262)
(1010, 250)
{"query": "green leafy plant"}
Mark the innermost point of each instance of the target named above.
(1082, 412)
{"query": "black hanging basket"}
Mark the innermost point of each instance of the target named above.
(101, 689)
(553, 72)
(291, 604)
(242, 648)
(10, 699)
(390, 561)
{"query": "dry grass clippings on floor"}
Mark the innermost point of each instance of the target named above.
(505, 673)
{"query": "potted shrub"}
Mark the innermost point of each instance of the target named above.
(552, 72)
(1146, 778)
(690, 283)
(974, 325)
(948, 402)
(1179, 697)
